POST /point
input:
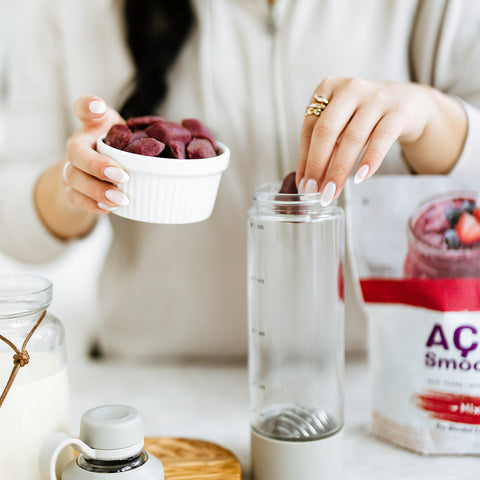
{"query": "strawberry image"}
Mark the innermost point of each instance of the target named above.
(468, 229)
(476, 214)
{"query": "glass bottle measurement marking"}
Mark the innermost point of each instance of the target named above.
(260, 386)
(260, 333)
(258, 226)
(259, 280)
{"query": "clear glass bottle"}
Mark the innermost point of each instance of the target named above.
(37, 403)
(296, 328)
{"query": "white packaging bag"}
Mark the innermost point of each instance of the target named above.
(421, 295)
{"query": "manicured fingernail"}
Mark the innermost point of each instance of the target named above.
(116, 174)
(105, 207)
(116, 196)
(64, 171)
(311, 186)
(361, 174)
(301, 185)
(328, 194)
(97, 107)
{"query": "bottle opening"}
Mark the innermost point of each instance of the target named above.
(267, 199)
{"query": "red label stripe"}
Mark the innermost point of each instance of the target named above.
(450, 407)
(442, 294)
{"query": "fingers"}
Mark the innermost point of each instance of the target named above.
(361, 116)
(82, 202)
(89, 193)
(83, 157)
(350, 144)
(88, 176)
(89, 108)
(327, 129)
(95, 115)
(308, 127)
(384, 135)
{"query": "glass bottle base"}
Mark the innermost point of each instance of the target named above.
(283, 460)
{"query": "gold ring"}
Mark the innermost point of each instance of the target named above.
(321, 99)
(313, 111)
(316, 108)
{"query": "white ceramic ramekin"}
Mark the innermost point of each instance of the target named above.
(168, 190)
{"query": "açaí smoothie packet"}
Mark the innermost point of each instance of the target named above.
(415, 244)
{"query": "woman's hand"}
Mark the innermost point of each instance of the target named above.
(71, 194)
(369, 116)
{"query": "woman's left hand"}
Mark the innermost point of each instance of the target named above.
(369, 116)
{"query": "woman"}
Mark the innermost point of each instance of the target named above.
(248, 69)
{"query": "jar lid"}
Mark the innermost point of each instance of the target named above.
(112, 427)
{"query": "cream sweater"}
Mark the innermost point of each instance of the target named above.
(248, 73)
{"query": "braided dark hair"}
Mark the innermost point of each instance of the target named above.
(156, 31)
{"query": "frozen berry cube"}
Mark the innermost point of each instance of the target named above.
(198, 130)
(146, 146)
(288, 184)
(137, 134)
(177, 149)
(200, 148)
(118, 136)
(141, 123)
(167, 132)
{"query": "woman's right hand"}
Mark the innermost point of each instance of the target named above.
(70, 195)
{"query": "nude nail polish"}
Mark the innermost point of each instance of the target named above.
(311, 186)
(116, 196)
(362, 172)
(106, 207)
(301, 186)
(96, 107)
(116, 174)
(328, 194)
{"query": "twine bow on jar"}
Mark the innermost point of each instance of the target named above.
(20, 357)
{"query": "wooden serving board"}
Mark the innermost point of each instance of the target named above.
(185, 459)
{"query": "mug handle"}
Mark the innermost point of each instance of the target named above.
(52, 448)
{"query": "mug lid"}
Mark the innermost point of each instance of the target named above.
(112, 427)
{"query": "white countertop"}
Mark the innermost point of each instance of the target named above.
(210, 402)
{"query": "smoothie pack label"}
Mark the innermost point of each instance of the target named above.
(416, 254)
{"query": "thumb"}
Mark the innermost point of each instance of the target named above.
(94, 113)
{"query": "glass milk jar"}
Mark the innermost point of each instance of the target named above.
(296, 349)
(36, 404)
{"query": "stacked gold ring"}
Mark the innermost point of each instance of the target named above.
(318, 106)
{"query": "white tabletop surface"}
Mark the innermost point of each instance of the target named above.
(210, 402)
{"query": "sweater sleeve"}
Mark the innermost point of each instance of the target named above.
(445, 53)
(35, 132)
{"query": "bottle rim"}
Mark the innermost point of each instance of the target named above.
(267, 196)
(23, 294)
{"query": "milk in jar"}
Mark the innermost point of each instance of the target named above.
(37, 404)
